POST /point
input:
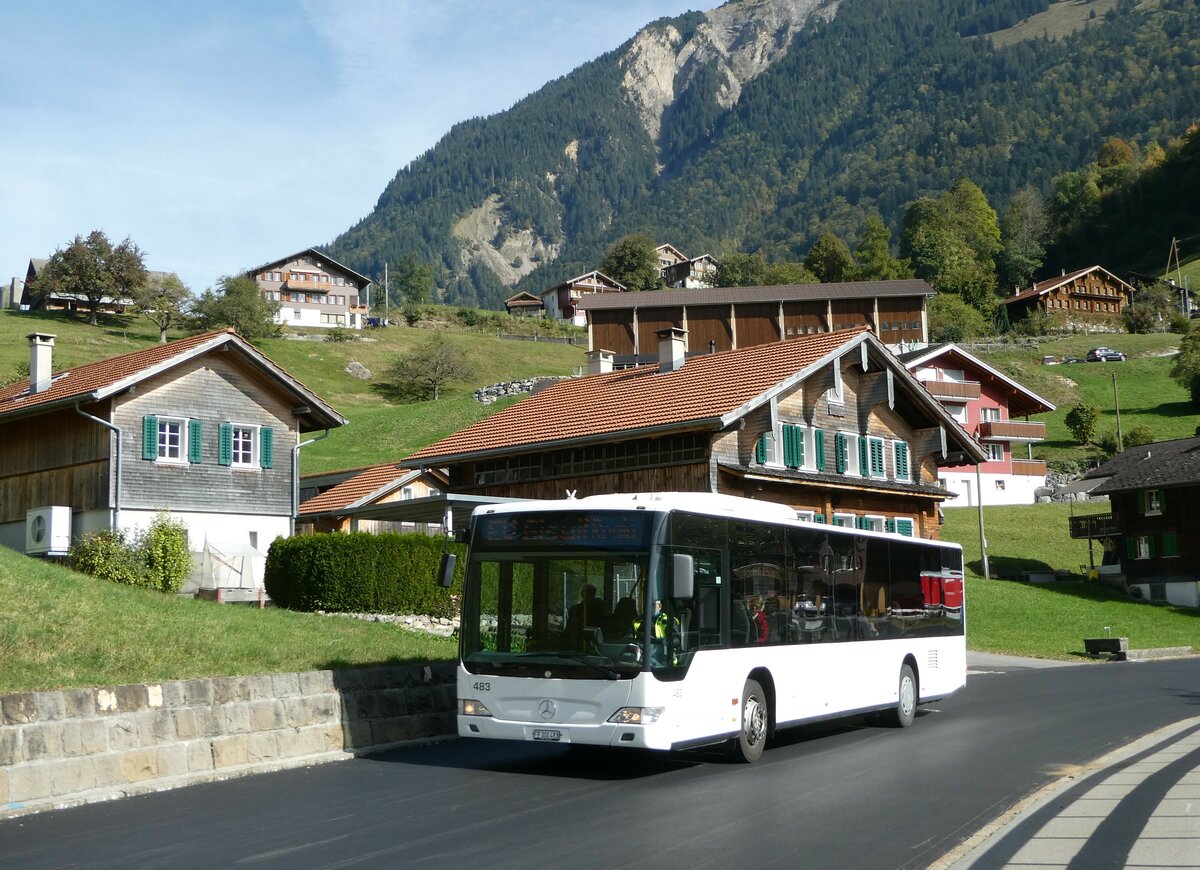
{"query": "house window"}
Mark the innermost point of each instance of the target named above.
(1151, 502)
(871, 456)
(764, 448)
(845, 453)
(995, 452)
(243, 445)
(847, 520)
(872, 523)
(837, 393)
(805, 516)
(989, 415)
(793, 446)
(959, 413)
(902, 526)
(171, 440)
(295, 314)
(1141, 547)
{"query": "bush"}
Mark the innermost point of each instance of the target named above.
(1180, 324)
(1133, 437)
(163, 550)
(107, 555)
(340, 334)
(1081, 420)
(1038, 323)
(1140, 318)
(362, 573)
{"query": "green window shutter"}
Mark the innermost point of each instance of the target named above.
(760, 449)
(793, 446)
(1162, 500)
(863, 468)
(819, 518)
(889, 525)
(902, 461)
(819, 448)
(149, 438)
(225, 444)
(1141, 502)
(195, 442)
(1131, 547)
(905, 527)
(799, 446)
(1150, 546)
(1170, 545)
(877, 467)
(266, 447)
(839, 452)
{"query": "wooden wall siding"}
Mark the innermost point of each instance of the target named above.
(690, 477)
(904, 311)
(650, 321)
(757, 422)
(611, 331)
(1181, 506)
(805, 318)
(757, 323)
(850, 313)
(59, 458)
(213, 389)
(707, 323)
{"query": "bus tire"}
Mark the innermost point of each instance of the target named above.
(749, 744)
(905, 711)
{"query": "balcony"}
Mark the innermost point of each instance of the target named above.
(1030, 467)
(1011, 430)
(1094, 526)
(952, 391)
(300, 284)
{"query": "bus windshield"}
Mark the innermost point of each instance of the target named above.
(559, 592)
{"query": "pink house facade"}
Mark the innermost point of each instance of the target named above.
(994, 409)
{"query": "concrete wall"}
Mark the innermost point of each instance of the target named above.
(77, 746)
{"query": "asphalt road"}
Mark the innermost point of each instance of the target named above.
(846, 795)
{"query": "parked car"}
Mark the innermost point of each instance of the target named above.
(1105, 354)
(1073, 359)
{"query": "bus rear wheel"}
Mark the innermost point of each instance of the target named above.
(902, 715)
(752, 739)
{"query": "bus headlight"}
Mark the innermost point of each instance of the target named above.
(469, 707)
(636, 716)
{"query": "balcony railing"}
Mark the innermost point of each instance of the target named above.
(1094, 526)
(1012, 430)
(1032, 467)
(961, 391)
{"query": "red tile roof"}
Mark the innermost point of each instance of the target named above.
(355, 488)
(626, 401)
(89, 382)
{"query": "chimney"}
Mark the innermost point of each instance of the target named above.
(600, 362)
(41, 361)
(671, 343)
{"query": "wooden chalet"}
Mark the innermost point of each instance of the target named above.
(341, 506)
(314, 290)
(831, 424)
(207, 428)
(1091, 295)
(524, 304)
(561, 301)
(1148, 540)
(729, 318)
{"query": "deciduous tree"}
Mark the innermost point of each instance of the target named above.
(163, 298)
(741, 270)
(426, 368)
(829, 259)
(239, 303)
(632, 260)
(93, 269)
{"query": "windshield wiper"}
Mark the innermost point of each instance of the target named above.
(608, 672)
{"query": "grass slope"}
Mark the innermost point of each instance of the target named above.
(1050, 620)
(381, 429)
(60, 629)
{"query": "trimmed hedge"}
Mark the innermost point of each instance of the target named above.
(361, 572)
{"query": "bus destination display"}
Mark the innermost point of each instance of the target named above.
(604, 529)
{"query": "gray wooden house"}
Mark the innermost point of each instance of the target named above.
(207, 428)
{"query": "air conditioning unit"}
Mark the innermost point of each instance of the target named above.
(48, 531)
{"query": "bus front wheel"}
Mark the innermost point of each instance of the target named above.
(906, 702)
(750, 742)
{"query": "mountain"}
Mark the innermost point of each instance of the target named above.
(759, 124)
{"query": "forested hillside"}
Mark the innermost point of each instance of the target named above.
(870, 105)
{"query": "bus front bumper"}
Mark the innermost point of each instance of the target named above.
(603, 734)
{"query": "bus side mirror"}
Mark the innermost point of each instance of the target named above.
(446, 570)
(683, 576)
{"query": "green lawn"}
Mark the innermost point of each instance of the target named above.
(60, 629)
(1050, 620)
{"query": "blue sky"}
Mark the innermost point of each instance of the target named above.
(219, 135)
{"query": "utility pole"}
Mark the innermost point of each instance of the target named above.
(1117, 406)
(386, 295)
(982, 537)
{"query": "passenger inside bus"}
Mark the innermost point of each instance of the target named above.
(590, 612)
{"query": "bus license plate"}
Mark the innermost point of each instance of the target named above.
(546, 734)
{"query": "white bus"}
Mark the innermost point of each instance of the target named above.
(760, 621)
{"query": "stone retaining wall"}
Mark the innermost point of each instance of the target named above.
(81, 745)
